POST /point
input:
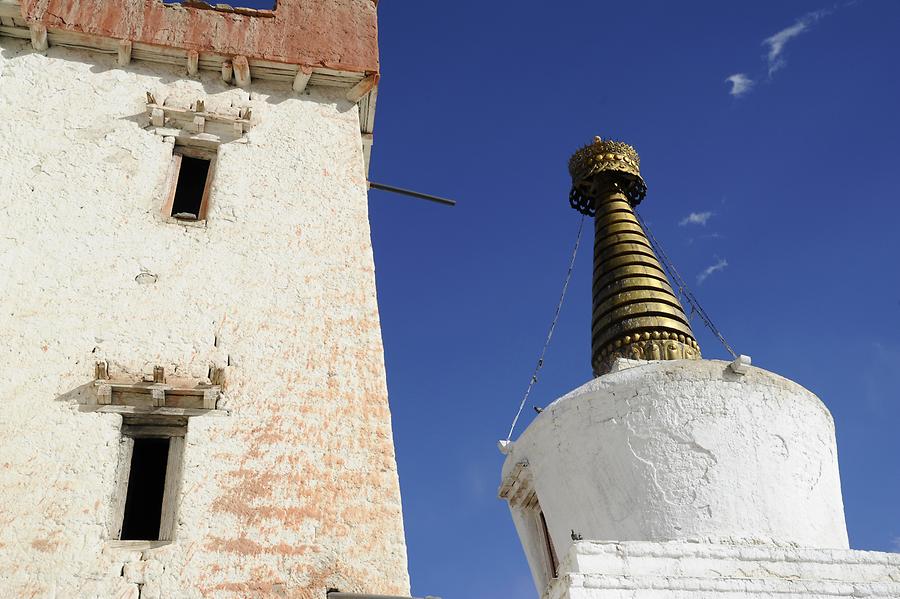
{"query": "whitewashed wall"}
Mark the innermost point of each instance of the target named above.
(679, 570)
(293, 492)
(681, 450)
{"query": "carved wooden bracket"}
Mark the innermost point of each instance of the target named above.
(157, 393)
(196, 125)
(517, 487)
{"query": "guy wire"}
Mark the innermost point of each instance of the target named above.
(683, 288)
(540, 362)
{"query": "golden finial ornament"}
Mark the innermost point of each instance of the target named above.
(636, 314)
(588, 164)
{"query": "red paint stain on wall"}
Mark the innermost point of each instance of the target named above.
(44, 545)
(245, 546)
(337, 34)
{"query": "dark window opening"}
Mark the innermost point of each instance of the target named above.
(146, 485)
(548, 547)
(254, 4)
(190, 188)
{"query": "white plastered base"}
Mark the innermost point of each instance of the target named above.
(678, 570)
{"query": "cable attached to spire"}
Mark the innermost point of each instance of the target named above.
(540, 362)
(683, 288)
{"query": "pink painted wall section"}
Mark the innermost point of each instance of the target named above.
(337, 34)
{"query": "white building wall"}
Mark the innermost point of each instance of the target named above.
(678, 570)
(295, 489)
(678, 451)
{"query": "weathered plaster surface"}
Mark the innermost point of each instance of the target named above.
(296, 489)
(338, 34)
(682, 450)
(678, 570)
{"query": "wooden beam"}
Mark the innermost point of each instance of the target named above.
(101, 370)
(171, 489)
(362, 88)
(159, 397)
(145, 430)
(124, 52)
(38, 36)
(211, 399)
(15, 32)
(301, 79)
(217, 376)
(133, 545)
(227, 71)
(153, 410)
(193, 62)
(241, 71)
(104, 395)
(158, 117)
(10, 10)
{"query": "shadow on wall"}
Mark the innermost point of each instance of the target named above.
(272, 92)
(84, 396)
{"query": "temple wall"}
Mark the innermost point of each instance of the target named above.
(292, 487)
(678, 570)
(338, 34)
(680, 450)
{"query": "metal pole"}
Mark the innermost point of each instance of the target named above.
(410, 193)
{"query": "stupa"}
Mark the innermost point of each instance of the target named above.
(668, 476)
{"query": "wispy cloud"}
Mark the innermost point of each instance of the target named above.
(740, 84)
(695, 218)
(709, 270)
(777, 42)
(775, 45)
(896, 543)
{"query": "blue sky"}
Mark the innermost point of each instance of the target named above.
(790, 170)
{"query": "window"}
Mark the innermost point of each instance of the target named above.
(151, 464)
(254, 4)
(190, 178)
(146, 487)
(190, 188)
(550, 551)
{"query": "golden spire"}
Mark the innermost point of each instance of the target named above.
(636, 313)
